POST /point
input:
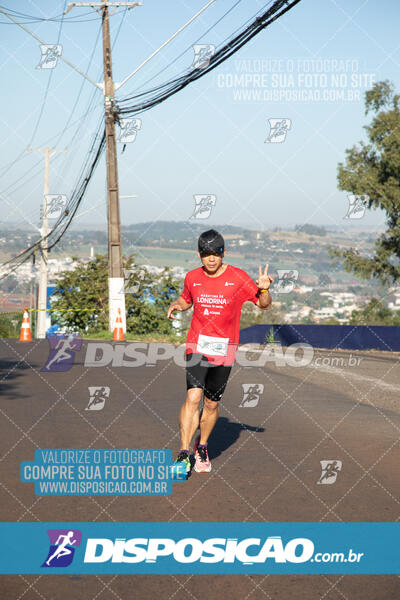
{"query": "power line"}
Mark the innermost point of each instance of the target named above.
(159, 94)
(47, 88)
(191, 46)
(152, 97)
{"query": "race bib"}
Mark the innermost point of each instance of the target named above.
(213, 346)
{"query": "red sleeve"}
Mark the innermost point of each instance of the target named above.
(249, 289)
(186, 294)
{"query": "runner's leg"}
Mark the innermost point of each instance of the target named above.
(189, 416)
(215, 384)
(209, 416)
(196, 372)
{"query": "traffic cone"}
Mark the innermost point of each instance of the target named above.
(25, 335)
(118, 331)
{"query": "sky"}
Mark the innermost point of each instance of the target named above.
(213, 137)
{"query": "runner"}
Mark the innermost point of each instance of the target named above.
(216, 291)
(63, 345)
(62, 549)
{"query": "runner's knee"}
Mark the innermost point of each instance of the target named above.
(210, 405)
(193, 396)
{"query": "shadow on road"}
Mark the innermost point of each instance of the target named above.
(225, 434)
(9, 371)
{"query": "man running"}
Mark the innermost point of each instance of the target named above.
(62, 549)
(217, 292)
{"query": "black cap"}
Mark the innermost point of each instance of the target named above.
(211, 242)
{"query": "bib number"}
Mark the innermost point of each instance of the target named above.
(213, 346)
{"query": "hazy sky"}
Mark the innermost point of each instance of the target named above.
(210, 138)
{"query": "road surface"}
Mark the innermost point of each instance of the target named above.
(265, 451)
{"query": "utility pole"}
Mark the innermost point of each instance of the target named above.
(116, 296)
(42, 296)
(116, 279)
(116, 293)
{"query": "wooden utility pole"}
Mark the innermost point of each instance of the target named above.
(116, 293)
(115, 272)
(42, 296)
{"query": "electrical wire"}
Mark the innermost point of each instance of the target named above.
(72, 19)
(189, 48)
(85, 175)
(151, 98)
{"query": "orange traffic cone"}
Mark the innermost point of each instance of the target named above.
(118, 331)
(25, 335)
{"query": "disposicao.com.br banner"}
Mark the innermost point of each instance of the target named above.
(218, 548)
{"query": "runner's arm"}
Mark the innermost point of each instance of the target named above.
(264, 282)
(180, 305)
(264, 301)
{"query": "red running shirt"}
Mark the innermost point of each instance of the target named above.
(217, 305)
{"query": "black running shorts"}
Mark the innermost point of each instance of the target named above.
(201, 373)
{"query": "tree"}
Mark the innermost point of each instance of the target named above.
(374, 313)
(81, 297)
(373, 169)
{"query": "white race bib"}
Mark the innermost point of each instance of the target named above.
(213, 346)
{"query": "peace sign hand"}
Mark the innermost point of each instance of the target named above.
(264, 280)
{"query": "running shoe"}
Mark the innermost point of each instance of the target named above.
(181, 464)
(202, 462)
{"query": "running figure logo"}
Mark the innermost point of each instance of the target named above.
(62, 352)
(202, 55)
(55, 204)
(357, 206)
(62, 547)
(98, 397)
(278, 129)
(251, 394)
(203, 205)
(49, 56)
(286, 281)
(129, 129)
(330, 470)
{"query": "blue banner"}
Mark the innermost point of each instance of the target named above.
(347, 337)
(215, 548)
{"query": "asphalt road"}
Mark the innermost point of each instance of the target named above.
(265, 451)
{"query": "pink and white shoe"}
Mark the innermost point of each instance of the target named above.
(202, 462)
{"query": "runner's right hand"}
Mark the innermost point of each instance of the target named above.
(174, 306)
